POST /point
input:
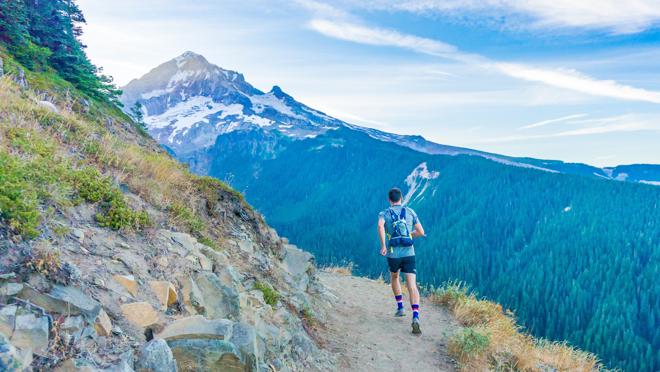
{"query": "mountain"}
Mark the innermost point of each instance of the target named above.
(188, 102)
(573, 252)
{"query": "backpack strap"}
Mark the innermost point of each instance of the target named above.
(393, 215)
(403, 213)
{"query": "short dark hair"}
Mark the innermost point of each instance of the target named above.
(394, 195)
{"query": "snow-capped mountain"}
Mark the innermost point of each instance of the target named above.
(188, 103)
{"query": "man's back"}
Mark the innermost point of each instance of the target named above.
(411, 220)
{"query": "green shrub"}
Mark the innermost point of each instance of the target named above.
(208, 242)
(270, 295)
(18, 199)
(185, 217)
(91, 186)
(468, 343)
(119, 216)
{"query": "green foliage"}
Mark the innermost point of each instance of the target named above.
(91, 186)
(208, 242)
(18, 199)
(185, 217)
(468, 343)
(119, 216)
(271, 296)
(46, 33)
(587, 275)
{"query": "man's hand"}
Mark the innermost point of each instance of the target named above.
(383, 251)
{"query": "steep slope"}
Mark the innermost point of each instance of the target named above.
(114, 257)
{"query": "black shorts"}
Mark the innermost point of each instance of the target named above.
(405, 264)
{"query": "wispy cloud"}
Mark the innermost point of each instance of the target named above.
(616, 16)
(550, 121)
(622, 123)
(561, 78)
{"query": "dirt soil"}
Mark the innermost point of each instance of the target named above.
(364, 331)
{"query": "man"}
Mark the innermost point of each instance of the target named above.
(397, 226)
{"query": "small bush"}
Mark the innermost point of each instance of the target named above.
(270, 295)
(450, 294)
(119, 216)
(208, 242)
(18, 200)
(91, 186)
(468, 344)
(183, 216)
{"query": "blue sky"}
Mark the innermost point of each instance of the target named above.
(575, 81)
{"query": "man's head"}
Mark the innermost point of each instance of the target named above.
(394, 195)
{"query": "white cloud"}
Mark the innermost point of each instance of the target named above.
(622, 123)
(616, 16)
(561, 78)
(550, 121)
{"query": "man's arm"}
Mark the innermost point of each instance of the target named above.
(418, 231)
(381, 236)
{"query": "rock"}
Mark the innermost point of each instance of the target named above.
(165, 292)
(217, 299)
(103, 324)
(10, 289)
(128, 282)
(297, 263)
(76, 365)
(73, 324)
(201, 355)
(246, 246)
(155, 356)
(197, 327)
(50, 107)
(2, 69)
(78, 234)
(126, 363)
(192, 296)
(31, 332)
(12, 359)
(141, 314)
(7, 318)
(243, 336)
(162, 262)
(75, 297)
(20, 78)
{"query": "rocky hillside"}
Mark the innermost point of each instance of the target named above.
(113, 257)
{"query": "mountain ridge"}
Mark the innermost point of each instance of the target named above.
(220, 101)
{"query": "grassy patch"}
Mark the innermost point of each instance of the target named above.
(469, 344)
(492, 340)
(183, 216)
(270, 294)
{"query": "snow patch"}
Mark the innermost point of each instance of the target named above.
(419, 180)
(262, 101)
(568, 209)
(654, 183)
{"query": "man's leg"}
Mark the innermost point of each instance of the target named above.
(396, 290)
(408, 268)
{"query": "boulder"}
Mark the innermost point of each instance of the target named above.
(201, 355)
(155, 356)
(165, 292)
(10, 289)
(12, 359)
(31, 332)
(73, 324)
(128, 282)
(243, 336)
(7, 318)
(218, 299)
(197, 327)
(103, 324)
(297, 263)
(141, 314)
(75, 297)
(2, 69)
(76, 365)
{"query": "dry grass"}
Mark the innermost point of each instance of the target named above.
(340, 270)
(106, 140)
(493, 341)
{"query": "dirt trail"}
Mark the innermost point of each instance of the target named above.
(366, 334)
